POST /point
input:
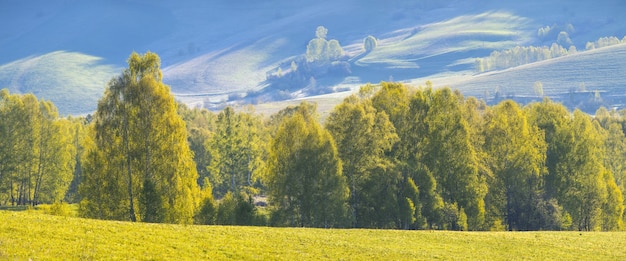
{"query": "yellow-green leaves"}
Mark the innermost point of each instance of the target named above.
(304, 175)
(140, 166)
(36, 151)
(236, 151)
(364, 136)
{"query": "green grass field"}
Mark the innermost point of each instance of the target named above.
(34, 235)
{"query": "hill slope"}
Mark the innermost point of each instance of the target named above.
(215, 52)
(31, 235)
(599, 69)
(73, 81)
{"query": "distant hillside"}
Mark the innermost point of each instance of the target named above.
(579, 75)
(73, 81)
(214, 53)
(600, 70)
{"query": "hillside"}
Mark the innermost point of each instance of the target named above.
(600, 69)
(32, 235)
(216, 53)
(572, 80)
(73, 81)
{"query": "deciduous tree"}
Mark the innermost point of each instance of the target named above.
(304, 173)
(364, 138)
(139, 166)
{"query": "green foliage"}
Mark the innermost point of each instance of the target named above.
(435, 150)
(453, 217)
(36, 152)
(237, 151)
(200, 125)
(138, 165)
(517, 156)
(238, 210)
(449, 154)
(207, 213)
(304, 174)
(390, 157)
(58, 209)
(364, 137)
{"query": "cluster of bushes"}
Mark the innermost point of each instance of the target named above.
(233, 209)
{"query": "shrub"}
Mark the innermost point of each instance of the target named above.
(57, 209)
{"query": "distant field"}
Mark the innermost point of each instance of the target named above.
(37, 236)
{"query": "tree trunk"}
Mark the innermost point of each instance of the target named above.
(133, 218)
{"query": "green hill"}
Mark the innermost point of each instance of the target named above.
(37, 236)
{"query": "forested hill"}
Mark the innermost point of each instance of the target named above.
(220, 53)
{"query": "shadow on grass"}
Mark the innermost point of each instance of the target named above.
(15, 208)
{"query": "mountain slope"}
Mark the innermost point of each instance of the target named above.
(215, 52)
(73, 81)
(599, 69)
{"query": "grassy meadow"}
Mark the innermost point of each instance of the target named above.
(32, 234)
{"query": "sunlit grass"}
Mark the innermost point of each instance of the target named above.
(32, 234)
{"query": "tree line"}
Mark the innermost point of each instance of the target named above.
(390, 156)
(38, 151)
(520, 55)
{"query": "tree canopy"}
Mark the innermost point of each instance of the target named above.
(138, 165)
(389, 156)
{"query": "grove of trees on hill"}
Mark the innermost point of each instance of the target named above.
(390, 156)
(520, 55)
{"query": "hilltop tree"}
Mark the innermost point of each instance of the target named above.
(335, 52)
(538, 88)
(320, 32)
(369, 43)
(138, 165)
(304, 174)
(321, 50)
